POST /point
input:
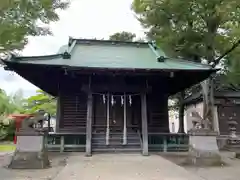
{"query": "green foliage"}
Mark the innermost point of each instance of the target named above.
(7, 104)
(195, 30)
(7, 128)
(122, 36)
(41, 101)
(22, 18)
(192, 29)
(233, 72)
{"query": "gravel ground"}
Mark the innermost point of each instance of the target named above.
(231, 171)
(58, 161)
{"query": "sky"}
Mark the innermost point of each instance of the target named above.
(83, 19)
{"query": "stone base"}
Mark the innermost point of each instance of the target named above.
(29, 160)
(203, 158)
(30, 153)
(203, 149)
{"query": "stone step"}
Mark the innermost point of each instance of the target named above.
(116, 138)
(116, 150)
(116, 143)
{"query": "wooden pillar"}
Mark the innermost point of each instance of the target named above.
(125, 120)
(144, 124)
(89, 125)
(108, 119)
(58, 114)
(62, 143)
(181, 113)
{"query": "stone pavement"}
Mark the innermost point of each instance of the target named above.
(123, 167)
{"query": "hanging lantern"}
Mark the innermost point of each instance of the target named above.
(104, 99)
(130, 100)
(122, 100)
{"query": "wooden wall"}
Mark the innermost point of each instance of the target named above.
(73, 107)
(157, 113)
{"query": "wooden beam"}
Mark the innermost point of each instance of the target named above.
(144, 124)
(121, 88)
(89, 125)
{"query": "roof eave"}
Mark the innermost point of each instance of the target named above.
(107, 69)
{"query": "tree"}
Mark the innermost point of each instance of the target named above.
(122, 36)
(41, 101)
(7, 105)
(202, 30)
(23, 18)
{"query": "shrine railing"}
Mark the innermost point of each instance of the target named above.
(66, 141)
(72, 141)
(168, 142)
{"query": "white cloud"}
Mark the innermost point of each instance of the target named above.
(83, 19)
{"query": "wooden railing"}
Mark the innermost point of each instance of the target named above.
(168, 142)
(73, 141)
(66, 141)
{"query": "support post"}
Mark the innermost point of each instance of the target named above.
(125, 120)
(108, 119)
(58, 114)
(89, 125)
(144, 124)
(181, 113)
(62, 144)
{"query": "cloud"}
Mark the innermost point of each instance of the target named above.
(11, 82)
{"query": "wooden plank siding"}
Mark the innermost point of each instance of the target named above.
(157, 113)
(73, 112)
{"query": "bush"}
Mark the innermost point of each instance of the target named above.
(7, 129)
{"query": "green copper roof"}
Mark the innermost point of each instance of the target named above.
(111, 55)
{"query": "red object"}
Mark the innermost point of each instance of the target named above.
(18, 120)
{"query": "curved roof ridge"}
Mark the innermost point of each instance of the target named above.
(42, 57)
(87, 41)
(181, 60)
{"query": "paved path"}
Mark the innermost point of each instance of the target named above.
(123, 167)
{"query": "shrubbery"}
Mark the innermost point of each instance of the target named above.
(7, 129)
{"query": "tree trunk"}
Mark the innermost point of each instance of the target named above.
(208, 103)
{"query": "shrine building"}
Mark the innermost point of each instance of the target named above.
(112, 94)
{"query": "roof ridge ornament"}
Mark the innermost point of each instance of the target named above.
(153, 46)
(66, 55)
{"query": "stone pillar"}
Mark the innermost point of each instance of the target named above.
(89, 125)
(233, 141)
(144, 124)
